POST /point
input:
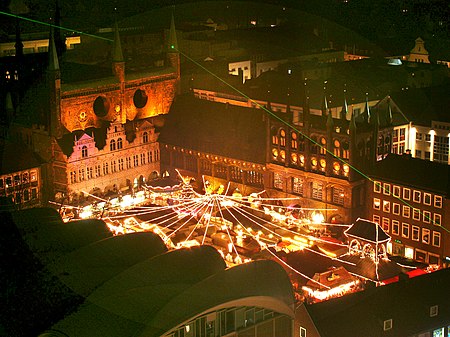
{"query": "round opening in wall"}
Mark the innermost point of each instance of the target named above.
(140, 98)
(101, 106)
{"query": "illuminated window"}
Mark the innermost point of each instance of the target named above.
(105, 168)
(156, 155)
(294, 158)
(84, 151)
(416, 214)
(282, 137)
(386, 189)
(150, 157)
(426, 235)
(323, 145)
(436, 239)
(437, 219)
(346, 169)
(376, 219)
(376, 203)
(136, 160)
(406, 193)
(119, 143)
(427, 199)
(323, 163)
(283, 155)
(338, 195)
(396, 191)
(438, 201)
(386, 206)
(302, 160)
(112, 145)
(274, 153)
(274, 137)
(113, 166)
(97, 171)
(376, 186)
(385, 224)
(416, 196)
(73, 177)
(395, 208)
(426, 216)
(395, 227)
(406, 211)
(277, 181)
(415, 233)
(294, 141)
(302, 332)
(145, 137)
(387, 324)
(89, 173)
(405, 230)
(297, 185)
(316, 190)
(336, 167)
(128, 161)
(142, 158)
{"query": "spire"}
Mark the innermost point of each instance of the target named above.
(330, 123)
(352, 126)
(389, 111)
(53, 63)
(367, 110)
(305, 106)
(172, 43)
(18, 45)
(344, 110)
(117, 47)
(59, 42)
(324, 102)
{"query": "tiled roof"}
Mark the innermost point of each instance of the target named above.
(215, 128)
(15, 157)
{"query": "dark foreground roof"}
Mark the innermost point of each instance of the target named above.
(367, 230)
(406, 302)
(78, 279)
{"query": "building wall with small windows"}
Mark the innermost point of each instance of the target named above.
(415, 216)
(20, 178)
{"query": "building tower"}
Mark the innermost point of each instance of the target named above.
(173, 54)
(54, 82)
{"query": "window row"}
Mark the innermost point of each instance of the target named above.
(407, 211)
(416, 196)
(18, 179)
(22, 196)
(408, 231)
(90, 172)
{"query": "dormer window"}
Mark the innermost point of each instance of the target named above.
(112, 145)
(434, 310)
(387, 324)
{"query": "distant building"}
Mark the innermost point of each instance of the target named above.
(409, 198)
(416, 120)
(20, 175)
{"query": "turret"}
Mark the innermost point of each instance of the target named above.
(173, 54)
(344, 110)
(352, 148)
(54, 81)
(118, 62)
(330, 127)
